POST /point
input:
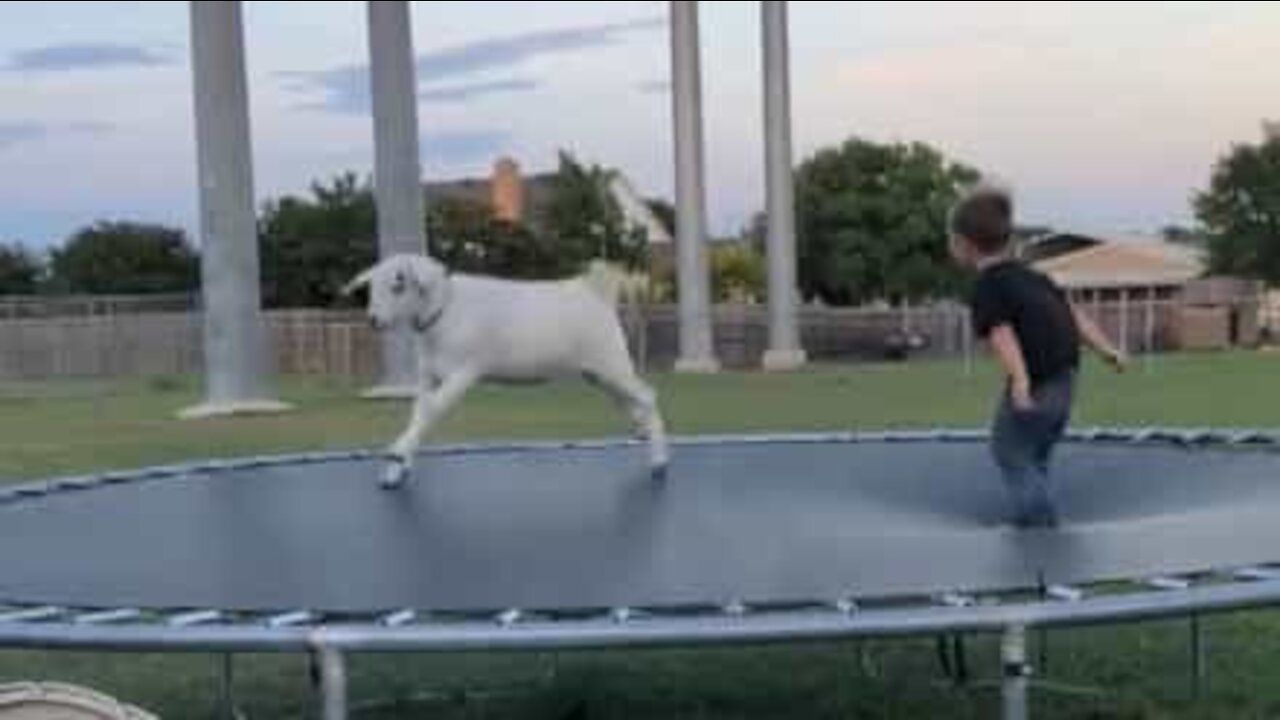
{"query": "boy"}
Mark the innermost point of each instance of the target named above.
(1035, 335)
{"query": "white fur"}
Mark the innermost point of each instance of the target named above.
(471, 328)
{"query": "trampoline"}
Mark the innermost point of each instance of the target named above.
(574, 545)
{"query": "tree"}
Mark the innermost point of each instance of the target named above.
(665, 212)
(1180, 235)
(1240, 212)
(311, 246)
(124, 258)
(20, 270)
(737, 273)
(871, 221)
(584, 221)
(467, 237)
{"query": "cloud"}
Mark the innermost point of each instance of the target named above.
(345, 90)
(515, 49)
(84, 56)
(13, 133)
(471, 91)
(452, 147)
(654, 87)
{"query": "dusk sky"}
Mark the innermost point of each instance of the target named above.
(1104, 117)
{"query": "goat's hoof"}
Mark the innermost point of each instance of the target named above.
(394, 475)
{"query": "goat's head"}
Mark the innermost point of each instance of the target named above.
(402, 289)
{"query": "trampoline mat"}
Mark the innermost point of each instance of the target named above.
(588, 528)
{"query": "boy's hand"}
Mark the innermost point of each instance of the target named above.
(1020, 396)
(1118, 360)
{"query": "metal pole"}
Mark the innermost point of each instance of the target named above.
(1197, 658)
(1150, 330)
(397, 168)
(697, 353)
(785, 352)
(235, 348)
(333, 683)
(1124, 320)
(966, 339)
(1013, 657)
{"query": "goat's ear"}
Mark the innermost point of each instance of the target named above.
(358, 282)
(427, 273)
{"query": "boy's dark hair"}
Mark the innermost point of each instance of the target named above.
(984, 217)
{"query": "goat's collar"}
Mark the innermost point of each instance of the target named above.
(424, 325)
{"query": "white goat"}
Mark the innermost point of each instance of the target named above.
(472, 328)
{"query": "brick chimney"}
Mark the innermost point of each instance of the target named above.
(507, 191)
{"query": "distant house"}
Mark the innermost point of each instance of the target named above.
(1119, 268)
(510, 195)
(1124, 278)
(523, 199)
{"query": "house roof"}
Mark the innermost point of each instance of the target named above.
(1127, 262)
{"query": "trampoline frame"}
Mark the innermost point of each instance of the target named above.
(329, 640)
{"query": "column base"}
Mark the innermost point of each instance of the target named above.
(236, 407)
(784, 360)
(390, 392)
(697, 366)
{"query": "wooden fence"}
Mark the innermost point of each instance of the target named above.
(136, 340)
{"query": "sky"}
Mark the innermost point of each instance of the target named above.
(1103, 117)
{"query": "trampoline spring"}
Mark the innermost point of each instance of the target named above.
(1256, 574)
(398, 619)
(622, 615)
(961, 435)
(1169, 584)
(956, 600)
(35, 614)
(30, 491)
(846, 606)
(1252, 437)
(1064, 593)
(107, 617)
(74, 483)
(191, 619)
(1144, 435)
(291, 619)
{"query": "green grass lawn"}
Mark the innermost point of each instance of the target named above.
(1132, 671)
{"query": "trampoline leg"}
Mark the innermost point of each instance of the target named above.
(954, 658)
(1016, 672)
(1042, 653)
(227, 709)
(333, 684)
(1197, 658)
(962, 660)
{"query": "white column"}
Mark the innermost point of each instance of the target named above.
(697, 353)
(235, 346)
(785, 352)
(397, 173)
(1124, 319)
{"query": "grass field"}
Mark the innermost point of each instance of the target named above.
(1132, 671)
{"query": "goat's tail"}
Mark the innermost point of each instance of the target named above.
(604, 280)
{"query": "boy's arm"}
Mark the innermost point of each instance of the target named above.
(1008, 352)
(1097, 340)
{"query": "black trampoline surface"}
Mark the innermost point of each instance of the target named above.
(586, 528)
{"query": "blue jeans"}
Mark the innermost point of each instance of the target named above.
(1023, 442)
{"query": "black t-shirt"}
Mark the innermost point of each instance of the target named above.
(1010, 293)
